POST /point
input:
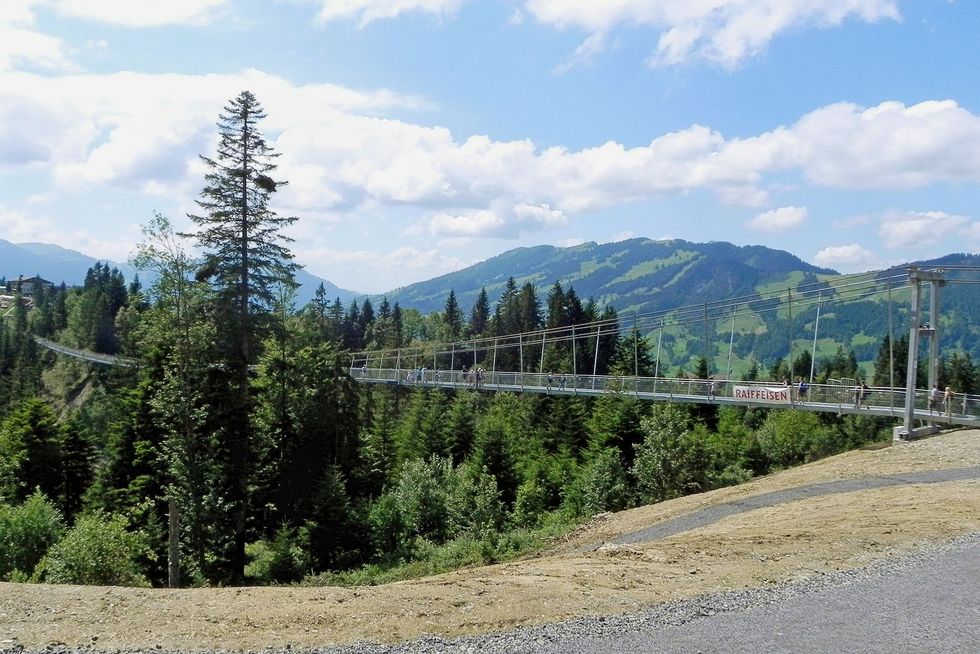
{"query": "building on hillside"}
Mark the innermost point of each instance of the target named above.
(28, 285)
(7, 302)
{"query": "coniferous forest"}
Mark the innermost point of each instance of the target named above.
(238, 449)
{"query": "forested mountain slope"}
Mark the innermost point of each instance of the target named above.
(634, 275)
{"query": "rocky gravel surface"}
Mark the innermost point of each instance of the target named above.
(658, 626)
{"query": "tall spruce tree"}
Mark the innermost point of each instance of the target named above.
(480, 315)
(453, 323)
(246, 261)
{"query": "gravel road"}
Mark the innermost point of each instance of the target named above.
(715, 513)
(921, 602)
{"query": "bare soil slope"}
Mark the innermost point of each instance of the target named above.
(583, 575)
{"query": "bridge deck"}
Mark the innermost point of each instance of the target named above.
(828, 398)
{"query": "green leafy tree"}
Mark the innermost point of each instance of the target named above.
(77, 467)
(605, 486)
(27, 532)
(631, 357)
(97, 551)
(164, 450)
(378, 446)
(670, 462)
(614, 422)
(473, 503)
(460, 425)
(492, 450)
(959, 373)
(787, 438)
(282, 559)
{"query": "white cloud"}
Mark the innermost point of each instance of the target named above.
(899, 230)
(848, 256)
(782, 219)
(20, 45)
(539, 216)
(888, 146)
(623, 236)
(144, 132)
(368, 271)
(473, 223)
(721, 31)
(367, 11)
(484, 223)
(19, 227)
(724, 32)
(586, 52)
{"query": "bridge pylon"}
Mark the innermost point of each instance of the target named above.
(934, 279)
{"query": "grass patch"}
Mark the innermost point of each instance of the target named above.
(652, 266)
(464, 552)
(792, 280)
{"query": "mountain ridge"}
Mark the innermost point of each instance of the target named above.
(58, 264)
(637, 274)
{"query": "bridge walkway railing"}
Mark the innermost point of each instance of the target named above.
(964, 409)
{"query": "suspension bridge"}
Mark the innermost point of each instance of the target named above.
(517, 362)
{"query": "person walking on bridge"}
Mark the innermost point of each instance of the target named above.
(934, 399)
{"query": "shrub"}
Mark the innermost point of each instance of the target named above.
(787, 437)
(473, 503)
(421, 498)
(98, 550)
(604, 483)
(386, 527)
(672, 460)
(283, 559)
(531, 503)
(27, 532)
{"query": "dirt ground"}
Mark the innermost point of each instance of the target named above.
(790, 541)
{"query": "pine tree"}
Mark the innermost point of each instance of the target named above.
(30, 453)
(246, 259)
(245, 249)
(453, 321)
(480, 315)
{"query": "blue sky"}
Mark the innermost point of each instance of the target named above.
(421, 136)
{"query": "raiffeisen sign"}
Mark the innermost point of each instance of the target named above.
(764, 394)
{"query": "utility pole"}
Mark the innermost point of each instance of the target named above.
(935, 279)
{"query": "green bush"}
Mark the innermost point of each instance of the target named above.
(386, 527)
(788, 437)
(473, 503)
(672, 460)
(530, 505)
(27, 532)
(421, 498)
(98, 550)
(283, 559)
(604, 484)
